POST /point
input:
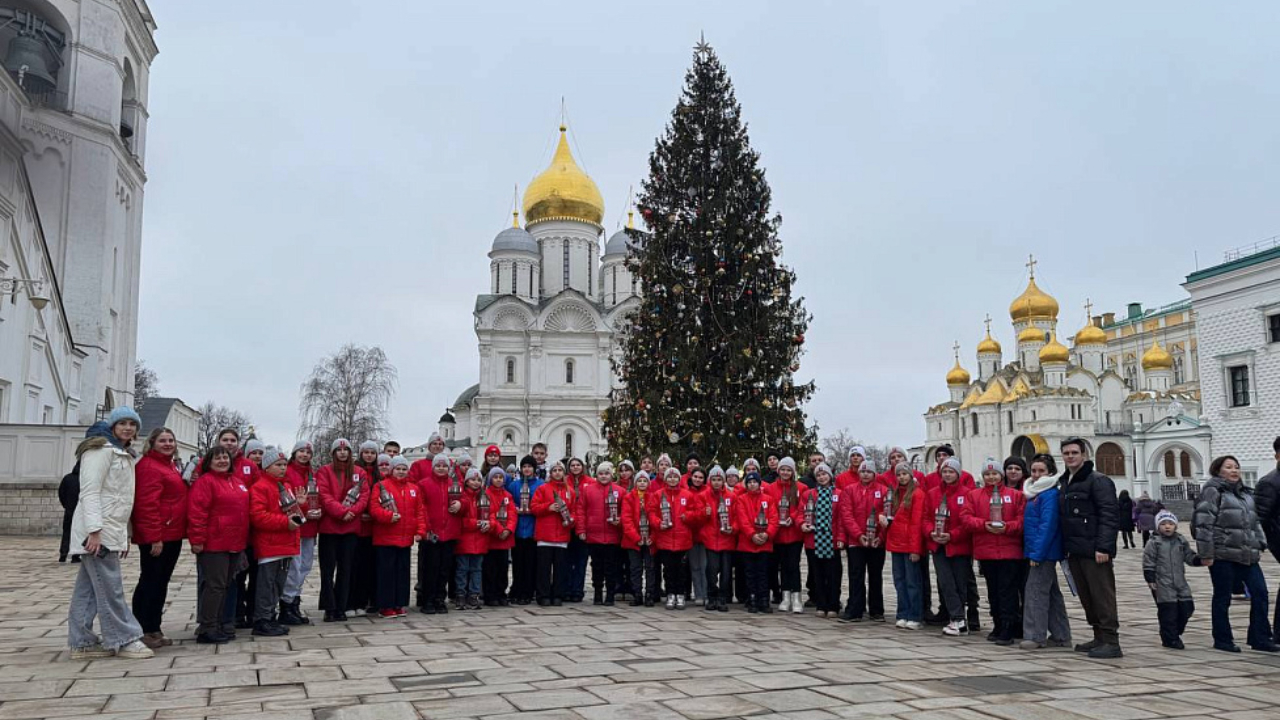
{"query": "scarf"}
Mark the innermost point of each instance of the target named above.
(822, 544)
(1032, 488)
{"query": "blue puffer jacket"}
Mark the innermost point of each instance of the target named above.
(1041, 536)
(524, 526)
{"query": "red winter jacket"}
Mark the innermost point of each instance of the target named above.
(435, 497)
(856, 502)
(273, 535)
(933, 481)
(847, 478)
(632, 506)
(366, 518)
(959, 545)
(159, 500)
(679, 536)
(976, 513)
(413, 514)
(577, 482)
(787, 534)
(499, 496)
(472, 541)
(837, 498)
(297, 475)
(709, 532)
(246, 470)
(591, 514)
(748, 510)
(218, 513)
(549, 526)
(333, 490)
(698, 518)
(906, 532)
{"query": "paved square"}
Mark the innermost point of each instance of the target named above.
(582, 662)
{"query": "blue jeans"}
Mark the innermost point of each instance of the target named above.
(907, 584)
(468, 577)
(1224, 575)
(99, 592)
(576, 572)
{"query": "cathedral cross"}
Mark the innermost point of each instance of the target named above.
(1031, 265)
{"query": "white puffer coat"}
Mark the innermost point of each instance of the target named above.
(106, 496)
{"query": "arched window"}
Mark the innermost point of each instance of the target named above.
(511, 371)
(1110, 460)
(1168, 464)
(508, 439)
(568, 371)
(568, 443)
(1184, 465)
(495, 279)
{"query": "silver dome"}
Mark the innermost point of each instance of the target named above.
(514, 238)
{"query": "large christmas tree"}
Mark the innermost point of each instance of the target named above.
(709, 356)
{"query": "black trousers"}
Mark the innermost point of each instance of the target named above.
(788, 555)
(720, 574)
(215, 576)
(606, 568)
(926, 587)
(246, 583)
(1002, 594)
(364, 576)
(624, 571)
(826, 575)
(1173, 618)
(435, 571)
(493, 575)
(644, 573)
(866, 581)
(524, 568)
(393, 577)
(971, 596)
(673, 573)
(739, 578)
(69, 498)
(755, 566)
(553, 568)
(152, 590)
(337, 553)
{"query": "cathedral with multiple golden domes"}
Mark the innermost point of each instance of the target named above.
(546, 328)
(1128, 386)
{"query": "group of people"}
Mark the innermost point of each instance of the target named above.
(257, 518)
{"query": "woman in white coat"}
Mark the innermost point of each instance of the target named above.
(100, 536)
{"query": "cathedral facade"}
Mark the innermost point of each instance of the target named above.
(547, 328)
(1117, 386)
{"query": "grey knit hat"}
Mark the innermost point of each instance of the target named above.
(271, 456)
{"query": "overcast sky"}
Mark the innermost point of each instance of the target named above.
(326, 172)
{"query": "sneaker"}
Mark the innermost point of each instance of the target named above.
(679, 602)
(914, 625)
(955, 628)
(212, 639)
(1031, 645)
(876, 618)
(1004, 641)
(1267, 648)
(797, 606)
(402, 612)
(900, 624)
(1056, 643)
(388, 613)
(135, 651)
(1174, 645)
(1106, 652)
(91, 652)
(264, 628)
(671, 602)
(1227, 647)
(1087, 647)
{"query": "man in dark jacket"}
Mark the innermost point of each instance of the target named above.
(1087, 506)
(68, 497)
(1266, 498)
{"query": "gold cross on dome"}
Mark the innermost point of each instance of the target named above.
(988, 323)
(1031, 265)
(1088, 308)
(956, 348)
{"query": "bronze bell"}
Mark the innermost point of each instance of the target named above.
(27, 58)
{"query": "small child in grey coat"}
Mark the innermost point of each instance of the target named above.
(1164, 562)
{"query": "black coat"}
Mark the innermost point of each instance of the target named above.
(1088, 508)
(1124, 512)
(1266, 498)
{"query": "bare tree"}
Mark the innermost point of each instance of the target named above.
(347, 396)
(837, 446)
(213, 419)
(146, 384)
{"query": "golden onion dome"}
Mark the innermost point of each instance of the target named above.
(1156, 358)
(1031, 334)
(958, 375)
(563, 191)
(1091, 335)
(1033, 303)
(988, 345)
(1054, 352)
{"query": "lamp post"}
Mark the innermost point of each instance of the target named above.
(33, 288)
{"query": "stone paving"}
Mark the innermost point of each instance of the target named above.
(583, 662)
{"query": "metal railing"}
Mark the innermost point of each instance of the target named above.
(1246, 250)
(1185, 490)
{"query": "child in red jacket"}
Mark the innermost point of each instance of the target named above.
(501, 539)
(858, 532)
(992, 516)
(553, 507)
(598, 521)
(275, 517)
(639, 519)
(785, 493)
(951, 550)
(905, 530)
(719, 536)
(821, 509)
(674, 537)
(757, 519)
(399, 519)
(473, 543)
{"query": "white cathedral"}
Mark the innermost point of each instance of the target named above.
(546, 329)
